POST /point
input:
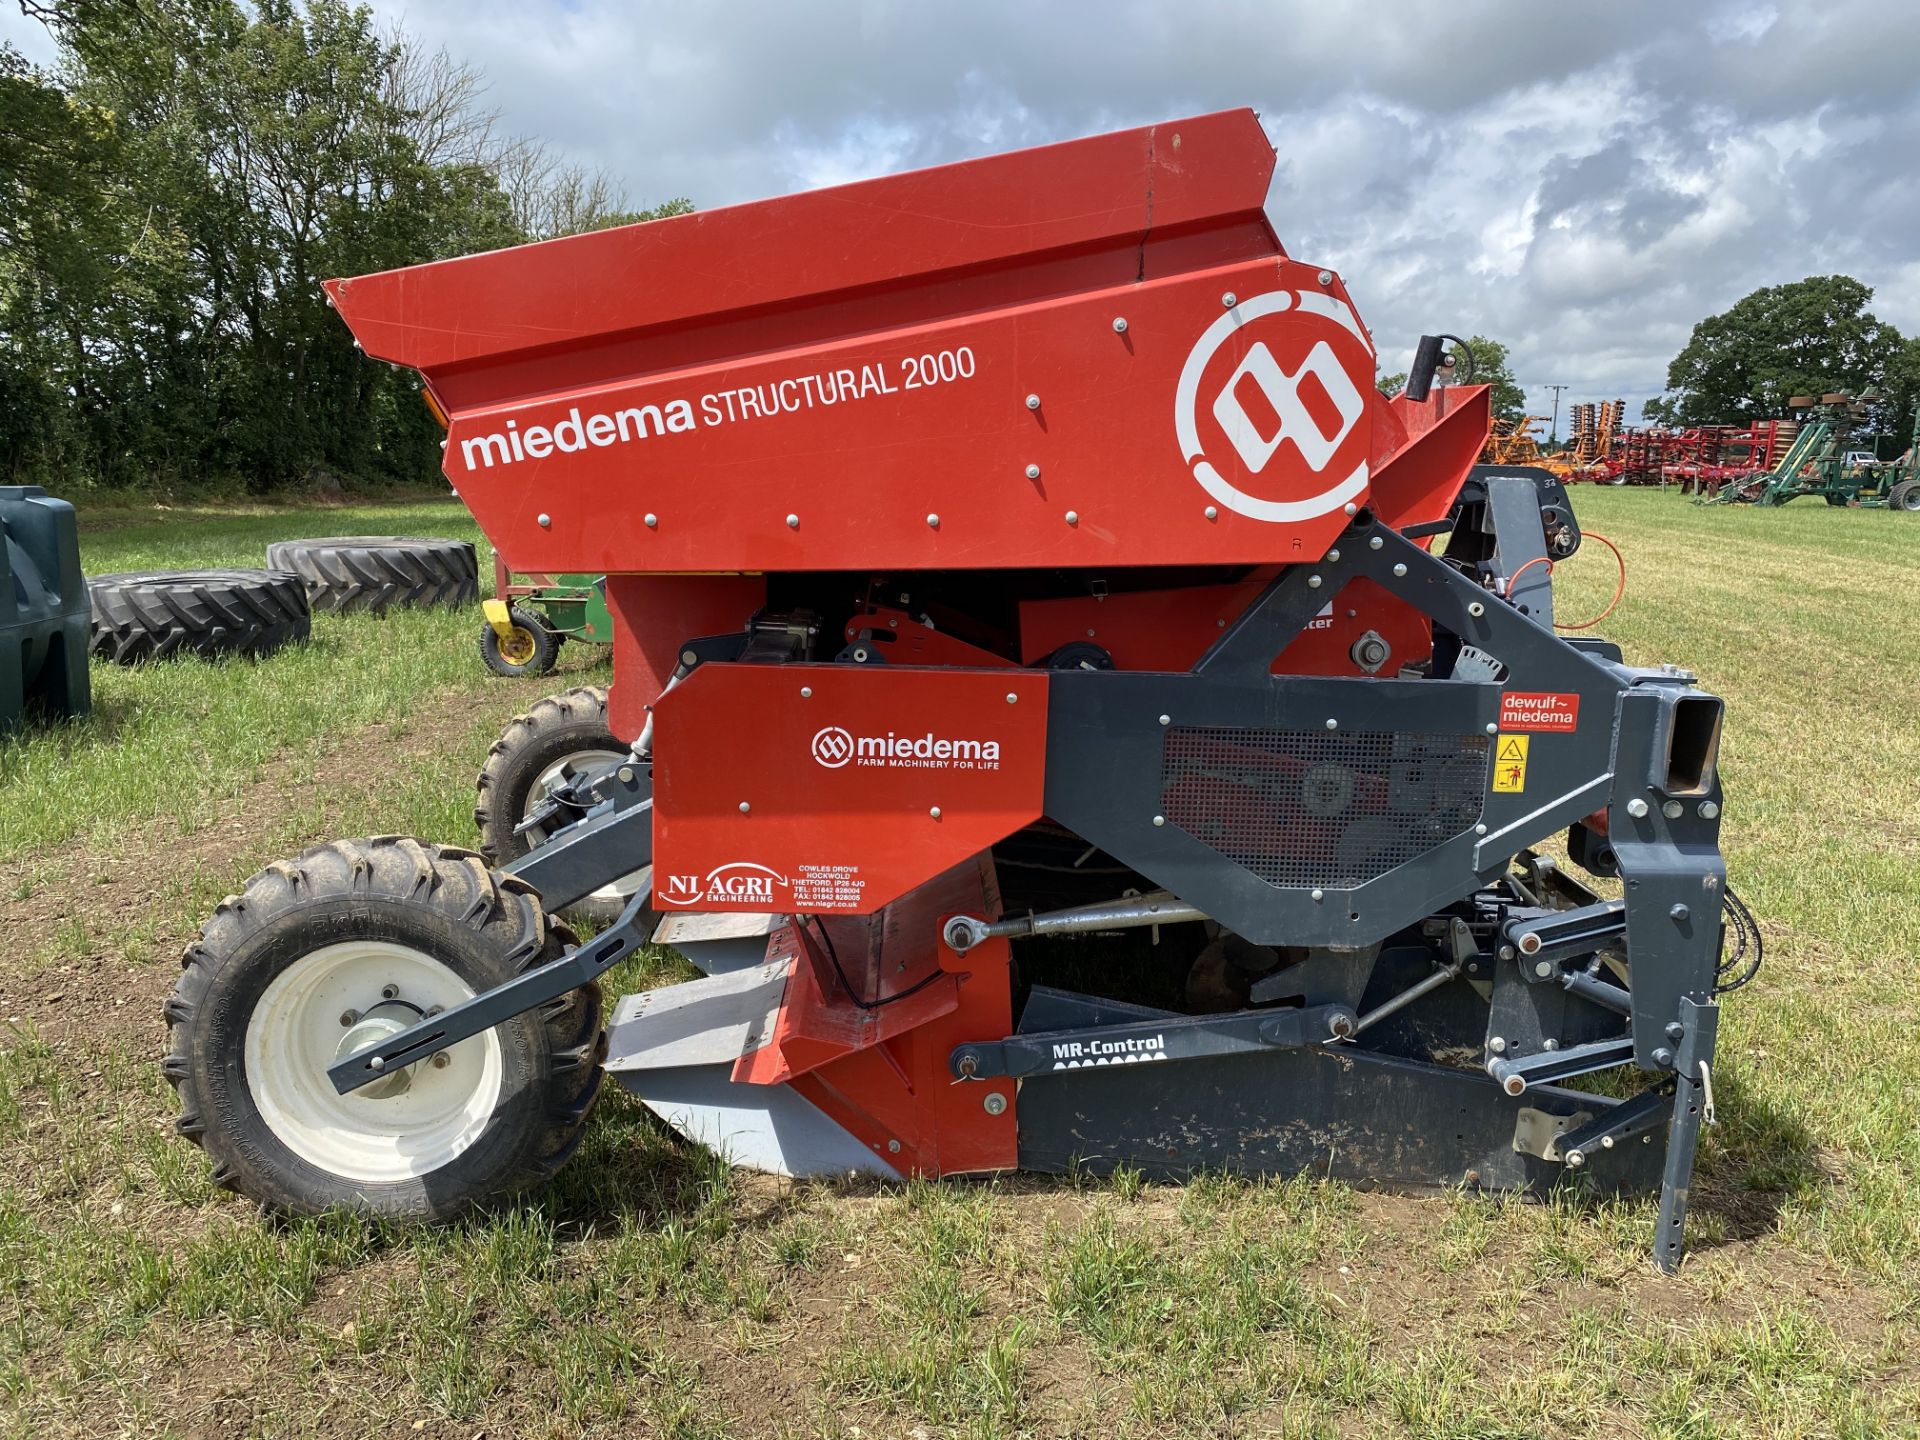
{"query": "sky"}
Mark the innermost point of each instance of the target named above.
(1580, 181)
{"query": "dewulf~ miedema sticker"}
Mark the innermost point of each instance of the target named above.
(1553, 711)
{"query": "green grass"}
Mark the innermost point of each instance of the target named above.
(649, 1291)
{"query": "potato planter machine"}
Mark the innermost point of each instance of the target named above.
(1076, 719)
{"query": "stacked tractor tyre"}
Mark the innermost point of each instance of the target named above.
(156, 614)
(378, 573)
(152, 615)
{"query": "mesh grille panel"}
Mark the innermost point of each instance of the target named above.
(1321, 807)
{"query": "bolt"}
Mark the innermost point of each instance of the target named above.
(1332, 724)
(653, 520)
(1543, 969)
(1350, 508)
(687, 657)
(1678, 914)
(1119, 324)
(545, 521)
(1159, 819)
(1319, 895)
(1333, 557)
(1708, 810)
(934, 812)
(1166, 719)
(933, 522)
(745, 808)
(1550, 1044)
(1229, 299)
(1473, 1177)
(1672, 809)
(1663, 1057)
(1506, 952)
(1637, 808)
(389, 992)
(1212, 513)
(1073, 517)
(1675, 1030)
(1576, 1158)
(1497, 1045)
(1326, 277)
(1033, 402)
(995, 1103)
(1033, 472)
(893, 1147)
(625, 772)
(1314, 582)
(806, 692)
(441, 1060)
(1399, 569)
(793, 522)
(1476, 608)
(1375, 543)
(1529, 944)
(348, 1017)
(1515, 1085)
(1012, 699)
(1493, 729)
(1480, 829)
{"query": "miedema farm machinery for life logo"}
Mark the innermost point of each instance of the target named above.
(835, 747)
(1290, 395)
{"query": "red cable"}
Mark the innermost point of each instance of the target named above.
(1618, 590)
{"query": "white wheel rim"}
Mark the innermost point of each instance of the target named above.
(295, 1032)
(621, 890)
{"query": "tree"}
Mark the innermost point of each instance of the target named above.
(171, 199)
(1812, 337)
(1490, 368)
(1391, 384)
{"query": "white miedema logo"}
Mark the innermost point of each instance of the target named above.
(833, 747)
(1317, 437)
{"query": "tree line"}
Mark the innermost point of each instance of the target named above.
(173, 190)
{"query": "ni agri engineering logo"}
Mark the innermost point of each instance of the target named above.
(1268, 413)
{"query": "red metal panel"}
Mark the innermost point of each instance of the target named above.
(1204, 433)
(882, 1073)
(654, 615)
(1171, 629)
(837, 788)
(1108, 191)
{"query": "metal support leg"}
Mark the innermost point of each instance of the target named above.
(1690, 1097)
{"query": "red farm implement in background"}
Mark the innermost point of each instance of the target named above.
(1070, 715)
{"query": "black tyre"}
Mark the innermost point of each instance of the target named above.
(1904, 496)
(562, 733)
(377, 572)
(321, 956)
(530, 648)
(152, 614)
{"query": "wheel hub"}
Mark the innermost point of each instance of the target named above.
(382, 1022)
(518, 646)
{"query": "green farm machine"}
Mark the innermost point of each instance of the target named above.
(1827, 460)
(528, 620)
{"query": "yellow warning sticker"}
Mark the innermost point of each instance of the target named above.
(1510, 762)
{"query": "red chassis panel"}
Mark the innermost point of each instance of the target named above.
(818, 789)
(882, 1072)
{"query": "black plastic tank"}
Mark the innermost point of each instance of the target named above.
(43, 608)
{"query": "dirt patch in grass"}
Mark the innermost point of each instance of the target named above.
(64, 932)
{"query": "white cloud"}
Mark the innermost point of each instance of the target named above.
(1582, 182)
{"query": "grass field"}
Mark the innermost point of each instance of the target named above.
(650, 1292)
